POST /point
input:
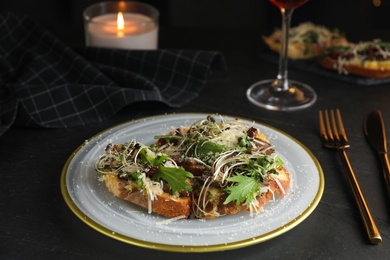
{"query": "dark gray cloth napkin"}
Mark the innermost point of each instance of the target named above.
(45, 83)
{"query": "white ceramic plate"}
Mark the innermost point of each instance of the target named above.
(92, 203)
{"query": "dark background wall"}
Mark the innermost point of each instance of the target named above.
(359, 19)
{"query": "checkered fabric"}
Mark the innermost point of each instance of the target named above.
(44, 83)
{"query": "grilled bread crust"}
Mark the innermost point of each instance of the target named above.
(368, 69)
(164, 204)
(280, 189)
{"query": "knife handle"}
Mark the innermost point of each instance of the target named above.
(369, 223)
(386, 170)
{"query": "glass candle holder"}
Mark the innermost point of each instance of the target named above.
(121, 25)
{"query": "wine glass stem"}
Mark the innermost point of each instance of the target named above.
(282, 77)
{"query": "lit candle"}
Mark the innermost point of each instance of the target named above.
(123, 31)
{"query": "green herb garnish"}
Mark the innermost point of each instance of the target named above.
(244, 189)
(175, 177)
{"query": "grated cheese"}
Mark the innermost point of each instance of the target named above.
(380, 62)
(298, 33)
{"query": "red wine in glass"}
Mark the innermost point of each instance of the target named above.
(288, 3)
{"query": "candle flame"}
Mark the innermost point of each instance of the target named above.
(120, 22)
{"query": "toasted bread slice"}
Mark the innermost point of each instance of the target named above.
(163, 204)
(216, 207)
(365, 59)
(134, 172)
(307, 41)
(371, 70)
(243, 145)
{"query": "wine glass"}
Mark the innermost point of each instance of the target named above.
(281, 93)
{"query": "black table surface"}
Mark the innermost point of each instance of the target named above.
(35, 221)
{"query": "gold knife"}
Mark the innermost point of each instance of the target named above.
(374, 129)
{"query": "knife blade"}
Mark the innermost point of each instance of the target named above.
(374, 129)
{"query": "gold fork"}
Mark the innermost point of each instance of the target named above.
(333, 136)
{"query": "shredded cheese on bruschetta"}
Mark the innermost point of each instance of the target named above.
(137, 163)
(372, 55)
(306, 41)
(232, 152)
(303, 33)
(215, 167)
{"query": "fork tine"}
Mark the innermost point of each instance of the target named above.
(322, 125)
(341, 131)
(335, 126)
(328, 126)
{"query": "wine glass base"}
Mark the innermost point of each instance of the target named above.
(298, 96)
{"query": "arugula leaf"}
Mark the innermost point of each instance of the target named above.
(160, 158)
(243, 190)
(207, 149)
(145, 158)
(175, 177)
(153, 161)
(310, 37)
